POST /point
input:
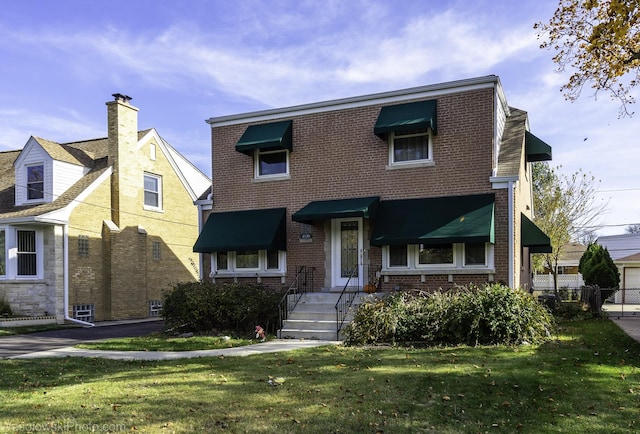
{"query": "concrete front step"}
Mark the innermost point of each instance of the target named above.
(314, 317)
(321, 335)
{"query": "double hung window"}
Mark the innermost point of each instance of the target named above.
(35, 182)
(152, 191)
(27, 258)
(410, 147)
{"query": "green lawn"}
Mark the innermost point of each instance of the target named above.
(585, 380)
(161, 342)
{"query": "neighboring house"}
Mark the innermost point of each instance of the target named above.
(96, 229)
(624, 249)
(568, 275)
(421, 188)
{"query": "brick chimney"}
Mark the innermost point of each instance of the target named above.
(122, 138)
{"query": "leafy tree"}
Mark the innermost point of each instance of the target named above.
(599, 40)
(597, 267)
(633, 229)
(565, 208)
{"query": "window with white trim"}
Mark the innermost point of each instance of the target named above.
(413, 146)
(152, 191)
(271, 163)
(27, 253)
(35, 182)
(446, 257)
(254, 261)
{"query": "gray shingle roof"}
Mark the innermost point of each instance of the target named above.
(512, 145)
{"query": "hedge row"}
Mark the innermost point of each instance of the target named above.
(203, 307)
(493, 314)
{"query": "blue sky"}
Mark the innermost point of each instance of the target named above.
(186, 61)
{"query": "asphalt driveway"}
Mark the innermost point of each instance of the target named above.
(11, 346)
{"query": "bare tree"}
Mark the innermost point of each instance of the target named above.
(633, 229)
(565, 208)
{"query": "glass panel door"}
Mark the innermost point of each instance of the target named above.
(346, 252)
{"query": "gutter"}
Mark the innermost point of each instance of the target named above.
(65, 278)
(508, 182)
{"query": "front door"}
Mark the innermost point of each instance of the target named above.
(346, 252)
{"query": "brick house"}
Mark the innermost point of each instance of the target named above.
(422, 188)
(94, 230)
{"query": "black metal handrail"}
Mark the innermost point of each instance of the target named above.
(345, 301)
(289, 301)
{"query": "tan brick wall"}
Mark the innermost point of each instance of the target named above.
(336, 155)
(120, 276)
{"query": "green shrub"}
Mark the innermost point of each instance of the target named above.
(597, 268)
(203, 307)
(493, 314)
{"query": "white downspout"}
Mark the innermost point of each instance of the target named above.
(511, 239)
(65, 278)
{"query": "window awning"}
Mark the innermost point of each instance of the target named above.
(274, 135)
(531, 236)
(536, 149)
(440, 220)
(244, 230)
(409, 116)
(341, 208)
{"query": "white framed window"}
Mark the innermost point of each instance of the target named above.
(434, 256)
(475, 255)
(410, 147)
(271, 164)
(420, 259)
(152, 191)
(249, 261)
(26, 253)
(35, 182)
(398, 256)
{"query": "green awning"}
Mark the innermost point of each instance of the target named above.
(440, 220)
(531, 236)
(256, 229)
(409, 116)
(536, 149)
(274, 135)
(341, 208)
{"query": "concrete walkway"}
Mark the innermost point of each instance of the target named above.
(275, 346)
(630, 325)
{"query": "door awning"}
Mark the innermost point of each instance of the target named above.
(531, 236)
(440, 220)
(409, 116)
(341, 208)
(244, 230)
(274, 135)
(536, 149)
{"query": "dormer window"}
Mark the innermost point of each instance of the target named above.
(35, 182)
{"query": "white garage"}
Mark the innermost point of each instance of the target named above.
(631, 284)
